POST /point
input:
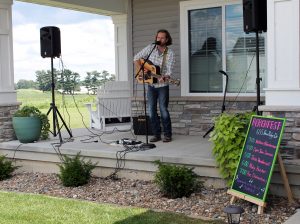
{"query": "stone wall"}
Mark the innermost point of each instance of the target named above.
(6, 129)
(290, 143)
(194, 115)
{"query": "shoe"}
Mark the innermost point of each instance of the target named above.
(155, 139)
(167, 139)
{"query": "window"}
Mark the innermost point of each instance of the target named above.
(241, 52)
(205, 49)
(213, 39)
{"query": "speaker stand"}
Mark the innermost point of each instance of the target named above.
(55, 112)
(258, 79)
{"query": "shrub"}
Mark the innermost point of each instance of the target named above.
(74, 171)
(176, 181)
(228, 137)
(6, 168)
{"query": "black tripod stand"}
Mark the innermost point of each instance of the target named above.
(146, 145)
(223, 104)
(55, 112)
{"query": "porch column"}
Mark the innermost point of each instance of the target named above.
(283, 86)
(121, 51)
(7, 92)
(8, 96)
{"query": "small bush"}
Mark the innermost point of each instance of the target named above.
(176, 181)
(6, 168)
(74, 171)
(228, 138)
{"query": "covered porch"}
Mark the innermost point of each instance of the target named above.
(133, 162)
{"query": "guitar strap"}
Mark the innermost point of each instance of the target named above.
(164, 59)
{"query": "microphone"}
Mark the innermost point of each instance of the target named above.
(157, 42)
(224, 73)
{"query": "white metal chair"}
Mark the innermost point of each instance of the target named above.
(113, 107)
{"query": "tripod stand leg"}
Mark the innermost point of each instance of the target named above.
(49, 111)
(55, 116)
(55, 119)
(212, 128)
(64, 123)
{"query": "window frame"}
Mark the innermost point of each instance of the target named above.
(185, 6)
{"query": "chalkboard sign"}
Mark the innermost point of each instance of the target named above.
(258, 156)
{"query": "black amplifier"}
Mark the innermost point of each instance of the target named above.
(139, 125)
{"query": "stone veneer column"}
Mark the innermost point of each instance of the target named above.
(6, 129)
(290, 144)
(8, 96)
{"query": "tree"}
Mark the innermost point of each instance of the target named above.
(105, 76)
(26, 84)
(95, 79)
(69, 81)
(87, 82)
(91, 81)
(44, 79)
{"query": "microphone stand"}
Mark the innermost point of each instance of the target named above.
(223, 104)
(146, 145)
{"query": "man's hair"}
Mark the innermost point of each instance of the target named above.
(168, 36)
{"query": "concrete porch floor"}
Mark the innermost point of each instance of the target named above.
(101, 147)
(194, 151)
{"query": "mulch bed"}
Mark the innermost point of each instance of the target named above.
(208, 203)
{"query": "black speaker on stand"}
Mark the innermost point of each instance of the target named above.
(50, 47)
(255, 15)
(255, 20)
(50, 42)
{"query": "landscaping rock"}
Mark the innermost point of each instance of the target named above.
(206, 203)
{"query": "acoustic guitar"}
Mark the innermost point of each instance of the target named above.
(151, 73)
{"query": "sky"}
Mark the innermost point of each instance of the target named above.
(87, 40)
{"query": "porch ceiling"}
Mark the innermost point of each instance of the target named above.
(102, 7)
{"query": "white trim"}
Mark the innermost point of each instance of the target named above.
(283, 42)
(7, 92)
(121, 47)
(102, 7)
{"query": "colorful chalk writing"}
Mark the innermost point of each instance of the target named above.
(258, 156)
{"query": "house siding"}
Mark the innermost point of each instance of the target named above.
(147, 18)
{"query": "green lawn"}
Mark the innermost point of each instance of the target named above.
(66, 105)
(20, 208)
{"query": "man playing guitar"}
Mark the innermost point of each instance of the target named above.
(158, 91)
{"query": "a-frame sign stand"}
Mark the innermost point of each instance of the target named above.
(257, 160)
(261, 204)
(285, 180)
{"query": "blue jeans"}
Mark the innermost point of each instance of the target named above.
(161, 95)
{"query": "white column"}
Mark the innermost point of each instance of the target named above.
(283, 85)
(7, 93)
(121, 51)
